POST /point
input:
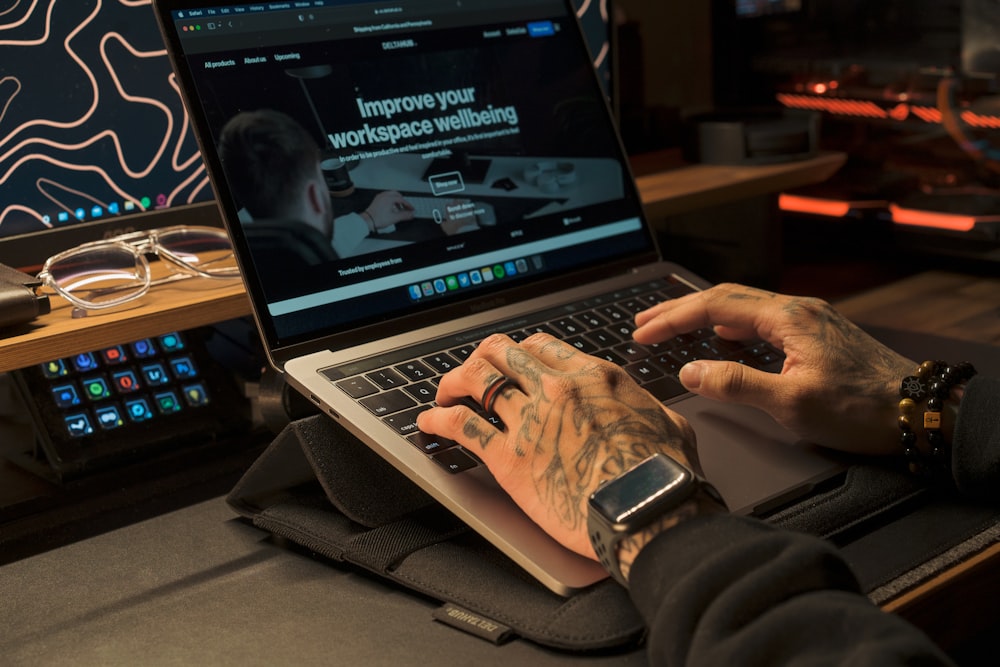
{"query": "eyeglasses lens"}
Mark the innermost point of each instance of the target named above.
(100, 275)
(205, 252)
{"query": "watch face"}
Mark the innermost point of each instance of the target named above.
(645, 489)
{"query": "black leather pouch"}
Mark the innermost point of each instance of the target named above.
(321, 488)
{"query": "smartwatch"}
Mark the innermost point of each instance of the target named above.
(656, 487)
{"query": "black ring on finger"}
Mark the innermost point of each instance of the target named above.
(493, 391)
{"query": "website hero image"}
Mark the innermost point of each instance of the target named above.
(471, 148)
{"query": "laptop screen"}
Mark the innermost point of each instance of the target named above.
(386, 159)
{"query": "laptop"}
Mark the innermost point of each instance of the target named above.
(489, 116)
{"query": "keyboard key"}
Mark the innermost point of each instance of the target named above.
(109, 417)
(114, 355)
(632, 306)
(357, 387)
(388, 402)
(582, 344)
(442, 362)
(566, 326)
(651, 299)
(415, 371)
(167, 403)
(387, 378)
(610, 355)
(143, 349)
(462, 353)
(66, 395)
(623, 330)
(125, 382)
(138, 410)
(591, 320)
(79, 425)
(96, 388)
(54, 369)
(425, 392)
(677, 289)
(614, 314)
(155, 374)
(171, 342)
(541, 328)
(195, 395)
(430, 443)
(685, 354)
(84, 362)
(643, 371)
(183, 368)
(455, 460)
(602, 338)
(632, 351)
(405, 422)
(667, 363)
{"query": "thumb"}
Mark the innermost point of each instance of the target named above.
(729, 382)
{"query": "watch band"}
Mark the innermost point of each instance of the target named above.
(668, 495)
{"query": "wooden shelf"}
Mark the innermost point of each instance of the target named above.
(182, 305)
(667, 186)
(671, 191)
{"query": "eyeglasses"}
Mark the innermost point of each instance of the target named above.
(108, 273)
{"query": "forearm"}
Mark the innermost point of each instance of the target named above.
(728, 590)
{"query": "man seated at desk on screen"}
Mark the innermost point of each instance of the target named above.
(273, 166)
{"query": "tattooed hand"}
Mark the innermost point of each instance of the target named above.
(839, 387)
(571, 422)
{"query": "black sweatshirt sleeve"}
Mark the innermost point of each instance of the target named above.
(728, 590)
(975, 453)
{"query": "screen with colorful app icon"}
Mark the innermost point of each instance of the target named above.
(93, 133)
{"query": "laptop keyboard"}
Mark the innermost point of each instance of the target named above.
(397, 388)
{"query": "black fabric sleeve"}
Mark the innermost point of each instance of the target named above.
(976, 440)
(728, 590)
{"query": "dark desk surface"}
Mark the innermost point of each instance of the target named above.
(197, 587)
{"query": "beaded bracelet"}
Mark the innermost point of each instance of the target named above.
(933, 382)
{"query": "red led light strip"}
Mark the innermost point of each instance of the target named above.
(831, 208)
(866, 109)
(917, 218)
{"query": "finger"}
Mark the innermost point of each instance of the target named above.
(738, 312)
(467, 381)
(553, 353)
(479, 381)
(461, 424)
(732, 382)
(510, 358)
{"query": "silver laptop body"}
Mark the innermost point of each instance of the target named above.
(488, 110)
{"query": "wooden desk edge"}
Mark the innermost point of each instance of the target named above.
(956, 604)
(906, 602)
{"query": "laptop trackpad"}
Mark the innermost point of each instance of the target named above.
(755, 464)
